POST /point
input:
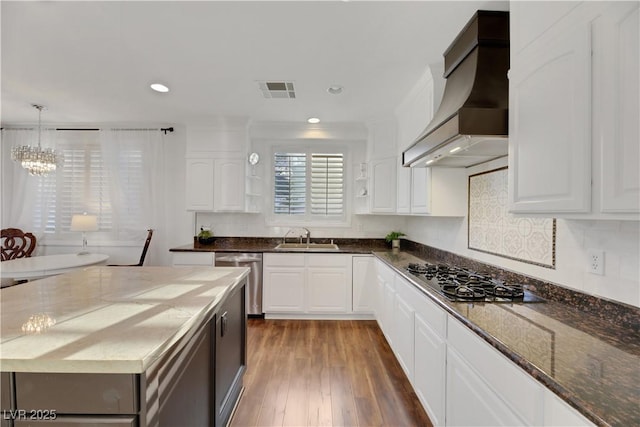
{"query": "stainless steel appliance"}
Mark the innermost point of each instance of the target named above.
(460, 284)
(254, 281)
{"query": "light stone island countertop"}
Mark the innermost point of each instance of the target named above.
(107, 319)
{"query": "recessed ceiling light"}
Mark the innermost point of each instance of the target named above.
(159, 87)
(453, 150)
(429, 162)
(335, 90)
(313, 120)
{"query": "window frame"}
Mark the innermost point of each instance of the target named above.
(309, 147)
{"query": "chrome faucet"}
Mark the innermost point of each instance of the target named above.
(305, 233)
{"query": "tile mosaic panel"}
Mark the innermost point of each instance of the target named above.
(493, 230)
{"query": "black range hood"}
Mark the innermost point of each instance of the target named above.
(471, 124)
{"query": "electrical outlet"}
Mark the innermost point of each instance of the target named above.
(595, 261)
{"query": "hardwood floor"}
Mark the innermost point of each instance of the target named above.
(324, 373)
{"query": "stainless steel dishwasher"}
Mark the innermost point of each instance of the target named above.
(254, 280)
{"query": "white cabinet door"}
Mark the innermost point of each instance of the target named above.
(470, 402)
(283, 290)
(429, 379)
(616, 111)
(199, 183)
(403, 333)
(283, 283)
(364, 288)
(229, 185)
(388, 307)
(550, 122)
(383, 185)
(420, 197)
(328, 290)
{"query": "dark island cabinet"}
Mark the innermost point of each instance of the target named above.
(230, 354)
(196, 383)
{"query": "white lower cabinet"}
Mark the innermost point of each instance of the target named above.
(283, 283)
(512, 397)
(364, 277)
(328, 283)
(306, 284)
(459, 378)
(403, 338)
(470, 402)
(430, 356)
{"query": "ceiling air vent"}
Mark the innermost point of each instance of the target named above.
(277, 90)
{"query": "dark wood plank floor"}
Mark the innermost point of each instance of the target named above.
(324, 373)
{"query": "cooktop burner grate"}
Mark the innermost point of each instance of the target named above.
(459, 284)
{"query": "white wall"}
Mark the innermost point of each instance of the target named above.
(619, 240)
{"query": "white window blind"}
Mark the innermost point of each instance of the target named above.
(83, 184)
(327, 184)
(309, 184)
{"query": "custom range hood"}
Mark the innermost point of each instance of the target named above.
(471, 124)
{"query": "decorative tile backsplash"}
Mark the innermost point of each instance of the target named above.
(493, 230)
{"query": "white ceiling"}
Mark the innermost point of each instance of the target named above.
(92, 62)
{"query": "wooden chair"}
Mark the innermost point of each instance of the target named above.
(16, 244)
(144, 252)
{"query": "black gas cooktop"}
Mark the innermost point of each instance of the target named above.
(460, 284)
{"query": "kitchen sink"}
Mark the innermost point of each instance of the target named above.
(307, 247)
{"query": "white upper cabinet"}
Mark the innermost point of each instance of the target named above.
(573, 110)
(199, 183)
(616, 112)
(381, 153)
(229, 185)
(215, 171)
(383, 185)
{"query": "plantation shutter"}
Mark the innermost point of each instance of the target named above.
(290, 186)
(84, 187)
(327, 184)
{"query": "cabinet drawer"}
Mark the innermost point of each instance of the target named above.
(328, 260)
(283, 260)
(62, 421)
(501, 375)
(78, 393)
(193, 258)
(432, 314)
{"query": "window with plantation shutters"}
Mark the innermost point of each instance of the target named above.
(309, 185)
(83, 184)
(327, 184)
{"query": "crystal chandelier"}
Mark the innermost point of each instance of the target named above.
(37, 160)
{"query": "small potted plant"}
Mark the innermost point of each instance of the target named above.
(394, 238)
(205, 237)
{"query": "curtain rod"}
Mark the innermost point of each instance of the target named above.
(165, 130)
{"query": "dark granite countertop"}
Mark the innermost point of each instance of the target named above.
(267, 244)
(584, 349)
(592, 364)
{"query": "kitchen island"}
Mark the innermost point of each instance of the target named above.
(124, 346)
